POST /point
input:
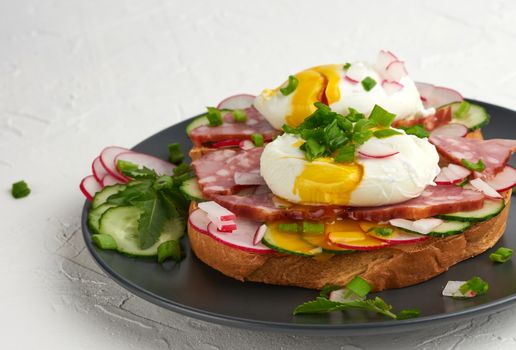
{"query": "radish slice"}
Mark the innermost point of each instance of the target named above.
(399, 237)
(240, 101)
(395, 71)
(436, 96)
(109, 180)
(242, 238)
(216, 211)
(351, 80)
(483, 187)
(226, 143)
(89, 186)
(451, 130)
(452, 174)
(223, 226)
(341, 296)
(107, 159)
(246, 144)
(391, 87)
(504, 180)
(199, 220)
(376, 149)
(423, 226)
(248, 179)
(260, 232)
(98, 170)
(160, 166)
(384, 59)
(452, 289)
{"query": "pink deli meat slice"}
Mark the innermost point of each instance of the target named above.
(433, 201)
(231, 130)
(215, 171)
(495, 153)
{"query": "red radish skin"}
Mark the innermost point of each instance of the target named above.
(400, 237)
(391, 87)
(260, 232)
(242, 238)
(351, 80)
(395, 71)
(376, 149)
(384, 59)
(357, 247)
(482, 186)
(98, 170)
(89, 186)
(160, 166)
(199, 221)
(109, 180)
(504, 180)
(240, 101)
(216, 211)
(451, 130)
(223, 226)
(107, 159)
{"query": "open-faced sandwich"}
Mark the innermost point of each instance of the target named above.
(345, 170)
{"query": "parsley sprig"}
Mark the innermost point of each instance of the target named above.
(330, 134)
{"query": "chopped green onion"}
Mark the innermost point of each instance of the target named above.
(104, 241)
(359, 286)
(312, 149)
(347, 66)
(475, 284)
(383, 133)
(214, 116)
(291, 86)
(408, 313)
(416, 130)
(345, 154)
(288, 227)
(175, 155)
(289, 130)
(182, 169)
(463, 110)
(20, 189)
(501, 255)
(354, 116)
(257, 139)
(169, 250)
(239, 116)
(368, 83)
(381, 117)
(382, 231)
(363, 124)
(313, 227)
(478, 166)
(362, 136)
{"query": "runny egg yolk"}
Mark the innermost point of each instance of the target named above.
(324, 181)
(317, 84)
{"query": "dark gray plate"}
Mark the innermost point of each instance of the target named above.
(196, 290)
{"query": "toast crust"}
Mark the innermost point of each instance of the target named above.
(392, 267)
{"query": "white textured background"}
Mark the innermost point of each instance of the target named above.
(76, 76)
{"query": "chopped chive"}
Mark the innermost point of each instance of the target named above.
(353, 115)
(408, 313)
(416, 130)
(257, 139)
(383, 133)
(475, 284)
(381, 117)
(20, 189)
(214, 116)
(289, 130)
(382, 231)
(478, 166)
(359, 286)
(463, 110)
(288, 227)
(368, 83)
(313, 227)
(239, 116)
(169, 250)
(291, 86)
(175, 155)
(501, 255)
(345, 154)
(347, 66)
(362, 136)
(104, 241)
(313, 149)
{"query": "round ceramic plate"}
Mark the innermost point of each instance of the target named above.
(196, 290)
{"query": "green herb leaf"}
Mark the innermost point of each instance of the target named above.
(359, 286)
(214, 116)
(501, 255)
(312, 227)
(257, 139)
(133, 191)
(134, 171)
(478, 166)
(416, 130)
(182, 169)
(382, 231)
(151, 221)
(463, 110)
(345, 154)
(383, 133)
(408, 313)
(476, 285)
(381, 117)
(175, 155)
(163, 182)
(368, 83)
(291, 86)
(347, 66)
(239, 116)
(319, 305)
(20, 189)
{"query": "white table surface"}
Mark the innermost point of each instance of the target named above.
(76, 76)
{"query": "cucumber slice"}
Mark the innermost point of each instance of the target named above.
(102, 196)
(319, 240)
(288, 242)
(197, 122)
(449, 228)
(122, 224)
(491, 208)
(474, 119)
(190, 188)
(95, 215)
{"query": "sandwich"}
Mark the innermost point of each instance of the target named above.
(346, 170)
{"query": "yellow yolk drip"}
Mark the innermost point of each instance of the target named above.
(326, 182)
(331, 73)
(310, 89)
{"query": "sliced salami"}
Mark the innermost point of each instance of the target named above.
(433, 201)
(494, 153)
(216, 170)
(441, 117)
(231, 130)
